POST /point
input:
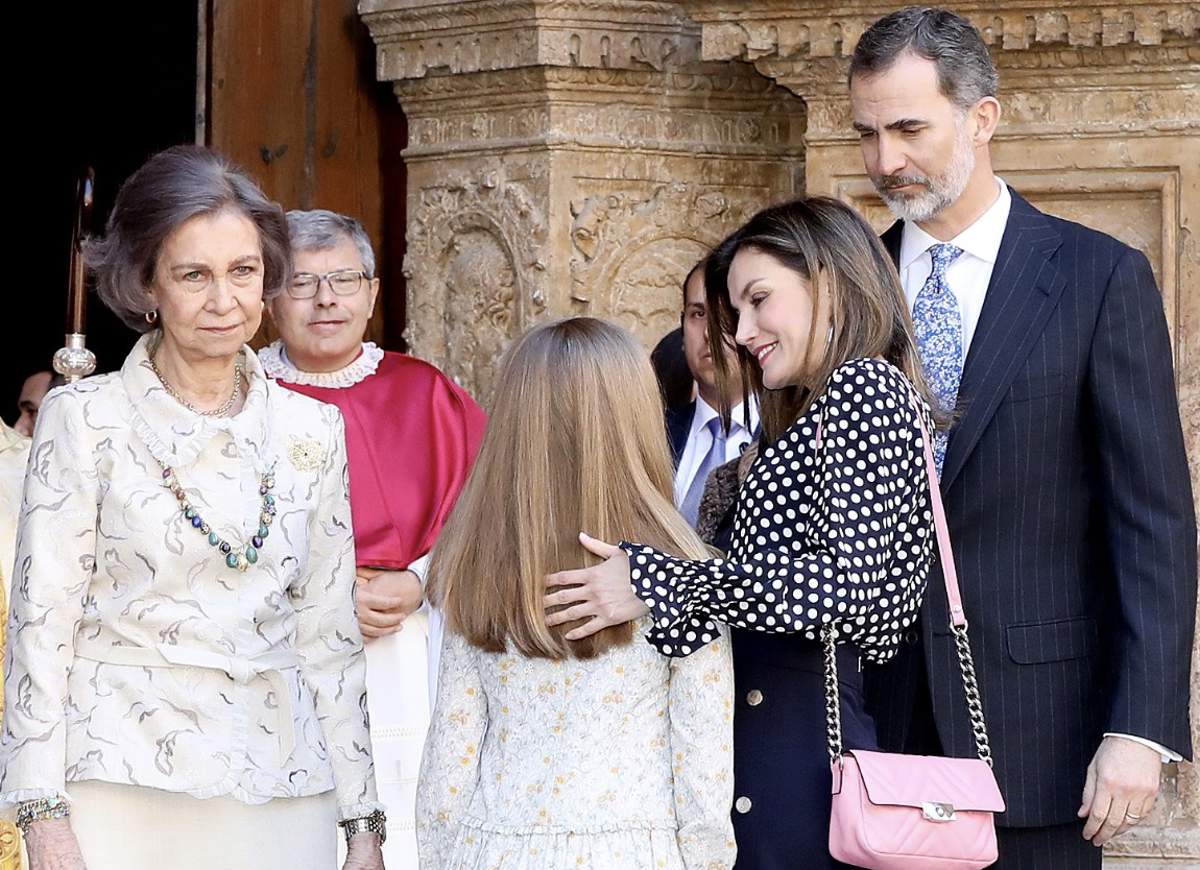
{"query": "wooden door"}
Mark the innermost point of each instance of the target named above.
(290, 95)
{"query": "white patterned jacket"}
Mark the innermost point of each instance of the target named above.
(136, 655)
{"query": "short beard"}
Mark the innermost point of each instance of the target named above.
(941, 191)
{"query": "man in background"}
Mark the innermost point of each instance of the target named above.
(699, 443)
(30, 400)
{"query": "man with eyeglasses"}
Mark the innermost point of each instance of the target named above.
(411, 436)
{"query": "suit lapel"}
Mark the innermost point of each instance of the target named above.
(891, 241)
(679, 422)
(1024, 289)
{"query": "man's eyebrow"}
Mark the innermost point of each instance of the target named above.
(906, 123)
(860, 127)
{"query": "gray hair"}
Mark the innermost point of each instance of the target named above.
(169, 189)
(965, 70)
(321, 229)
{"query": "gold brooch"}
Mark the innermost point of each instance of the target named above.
(305, 454)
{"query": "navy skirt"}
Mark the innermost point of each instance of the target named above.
(781, 763)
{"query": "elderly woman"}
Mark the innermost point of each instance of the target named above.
(412, 435)
(186, 681)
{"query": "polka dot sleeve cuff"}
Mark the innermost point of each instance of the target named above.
(836, 530)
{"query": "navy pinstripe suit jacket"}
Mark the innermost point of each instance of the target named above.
(1070, 509)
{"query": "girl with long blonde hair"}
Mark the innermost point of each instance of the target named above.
(547, 752)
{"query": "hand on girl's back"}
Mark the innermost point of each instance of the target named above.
(600, 594)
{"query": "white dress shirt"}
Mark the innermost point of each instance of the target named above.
(970, 273)
(968, 277)
(700, 440)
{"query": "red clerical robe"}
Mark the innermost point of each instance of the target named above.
(411, 435)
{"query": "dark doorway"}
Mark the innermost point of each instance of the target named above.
(105, 84)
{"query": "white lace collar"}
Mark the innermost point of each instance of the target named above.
(277, 366)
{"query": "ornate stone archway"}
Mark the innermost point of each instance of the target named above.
(574, 156)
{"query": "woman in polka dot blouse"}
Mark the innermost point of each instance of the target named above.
(832, 526)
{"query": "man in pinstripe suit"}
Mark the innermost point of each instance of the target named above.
(1064, 475)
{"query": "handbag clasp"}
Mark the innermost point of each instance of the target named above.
(937, 812)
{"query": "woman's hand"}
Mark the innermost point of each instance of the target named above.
(600, 594)
(51, 845)
(384, 599)
(364, 853)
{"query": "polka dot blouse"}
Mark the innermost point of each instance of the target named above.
(836, 530)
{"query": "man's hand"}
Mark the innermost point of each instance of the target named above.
(383, 599)
(1122, 784)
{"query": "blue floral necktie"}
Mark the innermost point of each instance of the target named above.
(938, 324)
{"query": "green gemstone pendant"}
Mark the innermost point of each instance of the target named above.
(251, 555)
(232, 560)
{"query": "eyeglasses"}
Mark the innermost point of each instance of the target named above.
(344, 282)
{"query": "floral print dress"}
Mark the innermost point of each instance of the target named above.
(620, 762)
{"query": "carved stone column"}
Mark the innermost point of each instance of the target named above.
(1101, 124)
(568, 156)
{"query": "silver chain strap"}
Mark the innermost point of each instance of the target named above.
(966, 663)
(833, 701)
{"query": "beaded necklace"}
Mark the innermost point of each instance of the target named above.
(249, 554)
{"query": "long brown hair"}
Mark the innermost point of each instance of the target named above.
(829, 245)
(575, 442)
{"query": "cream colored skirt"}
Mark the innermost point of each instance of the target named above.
(125, 827)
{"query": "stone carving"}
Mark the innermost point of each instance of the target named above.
(507, 34)
(756, 29)
(712, 109)
(632, 249)
(1053, 108)
(481, 293)
(473, 273)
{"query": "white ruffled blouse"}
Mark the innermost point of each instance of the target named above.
(136, 655)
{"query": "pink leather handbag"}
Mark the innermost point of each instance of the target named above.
(915, 812)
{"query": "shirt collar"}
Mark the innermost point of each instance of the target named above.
(705, 412)
(279, 367)
(174, 435)
(981, 239)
